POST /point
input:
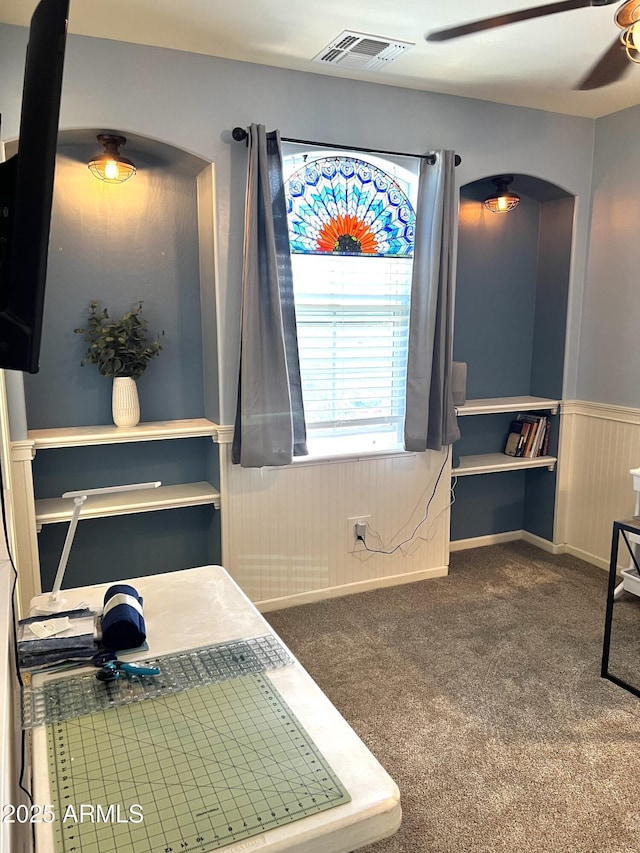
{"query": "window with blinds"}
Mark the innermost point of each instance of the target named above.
(353, 320)
(352, 311)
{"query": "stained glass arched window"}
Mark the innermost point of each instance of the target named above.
(342, 205)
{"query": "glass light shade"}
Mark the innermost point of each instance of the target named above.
(111, 167)
(503, 200)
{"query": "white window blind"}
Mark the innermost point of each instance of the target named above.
(353, 320)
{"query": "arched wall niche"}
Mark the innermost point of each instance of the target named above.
(511, 288)
(512, 285)
(150, 239)
(154, 153)
(536, 188)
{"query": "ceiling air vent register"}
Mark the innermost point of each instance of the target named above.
(361, 51)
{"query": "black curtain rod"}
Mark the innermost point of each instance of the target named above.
(239, 134)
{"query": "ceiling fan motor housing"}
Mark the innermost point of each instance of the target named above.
(628, 14)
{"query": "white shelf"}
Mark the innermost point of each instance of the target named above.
(488, 463)
(495, 405)
(56, 510)
(109, 434)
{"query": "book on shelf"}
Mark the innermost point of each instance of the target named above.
(545, 440)
(518, 432)
(531, 438)
(542, 431)
(528, 436)
(538, 428)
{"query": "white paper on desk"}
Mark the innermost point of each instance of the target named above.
(40, 630)
(50, 628)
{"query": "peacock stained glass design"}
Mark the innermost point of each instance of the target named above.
(341, 205)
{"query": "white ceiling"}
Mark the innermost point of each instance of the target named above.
(533, 63)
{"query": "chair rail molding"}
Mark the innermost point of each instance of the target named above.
(607, 411)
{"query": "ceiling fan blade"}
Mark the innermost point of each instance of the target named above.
(612, 66)
(510, 18)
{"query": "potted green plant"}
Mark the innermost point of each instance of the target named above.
(121, 349)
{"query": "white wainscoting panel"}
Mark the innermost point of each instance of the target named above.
(599, 444)
(285, 531)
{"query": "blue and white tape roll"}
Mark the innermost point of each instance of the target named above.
(122, 618)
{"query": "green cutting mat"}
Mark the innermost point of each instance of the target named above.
(209, 767)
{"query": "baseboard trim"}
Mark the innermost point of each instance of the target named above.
(348, 589)
(482, 541)
(316, 595)
(509, 536)
(543, 544)
(587, 557)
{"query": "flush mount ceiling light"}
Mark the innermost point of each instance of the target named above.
(628, 19)
(503, 200)
(110, 166)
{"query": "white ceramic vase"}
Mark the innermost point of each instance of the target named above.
(124, 401)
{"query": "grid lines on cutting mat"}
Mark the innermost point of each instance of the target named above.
(208, 766)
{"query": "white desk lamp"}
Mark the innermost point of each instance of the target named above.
(55, 603)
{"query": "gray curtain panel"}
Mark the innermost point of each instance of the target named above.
(430, 418)
(269, 427)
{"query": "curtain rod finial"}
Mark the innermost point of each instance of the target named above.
(239, 133)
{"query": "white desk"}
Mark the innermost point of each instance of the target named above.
(199, 607)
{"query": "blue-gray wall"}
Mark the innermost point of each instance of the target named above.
(191, 102)
(119, 244)
(555, 247)
(609, 370)
(129, 546)
(496, 295)
(173, 538)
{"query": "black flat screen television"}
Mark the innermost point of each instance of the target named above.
(26, 191)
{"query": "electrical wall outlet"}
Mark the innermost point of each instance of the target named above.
(360, 530)
(359, 523)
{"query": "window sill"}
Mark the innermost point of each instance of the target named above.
(350, 456)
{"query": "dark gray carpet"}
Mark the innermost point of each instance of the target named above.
(480, 693)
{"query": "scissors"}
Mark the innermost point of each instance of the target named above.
(112, 669)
